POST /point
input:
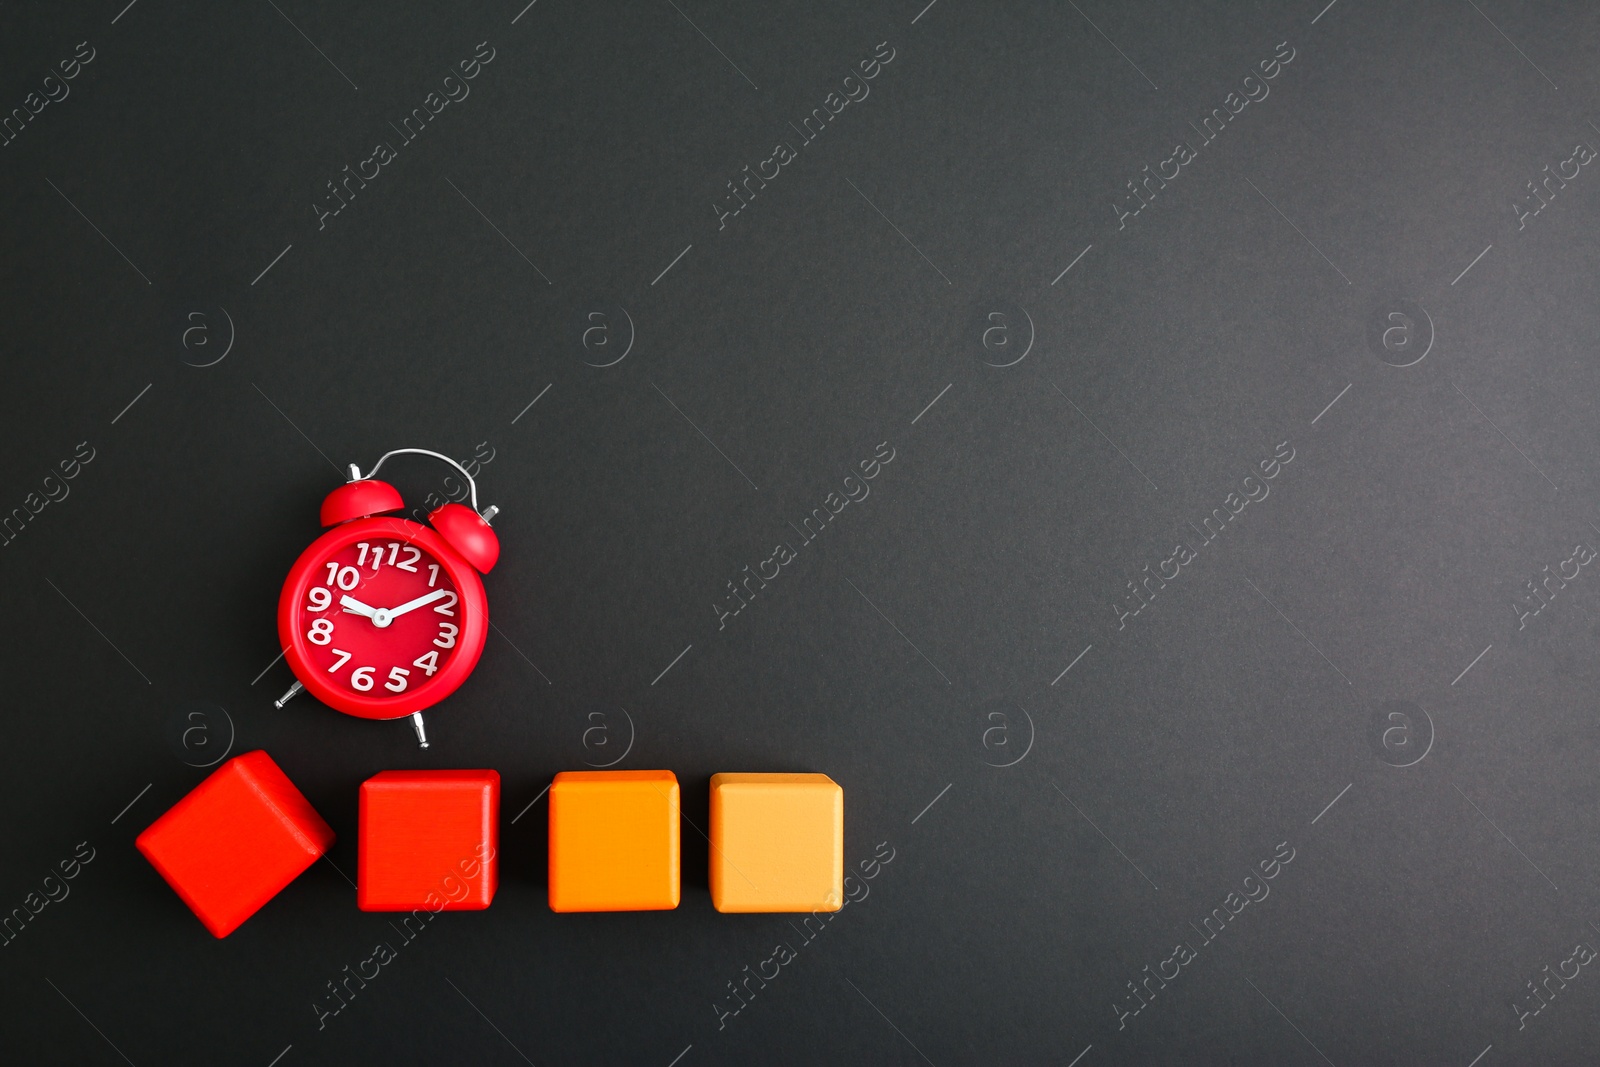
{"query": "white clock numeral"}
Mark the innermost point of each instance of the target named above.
(433, 574)
(344, 657)
(410, 562)
(321, 631)
(445, 603)
(361, 678)
(428, 661)
(350, 573)
(397, 680)
(447, 635)
(320, 598)
(333, 569)
(377, 554)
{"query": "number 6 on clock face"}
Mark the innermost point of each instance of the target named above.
(381, 618)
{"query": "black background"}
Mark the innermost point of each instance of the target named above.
(1180, 350)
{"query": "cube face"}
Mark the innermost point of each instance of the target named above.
(777, 843)
(235, 841)
(614, 841)
(429, 839)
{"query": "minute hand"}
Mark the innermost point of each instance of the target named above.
(421, 601)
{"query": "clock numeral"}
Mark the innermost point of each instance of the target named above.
(377, 554)
(428, 662)
(344, 657)
(445, 603)
(433, 574)
(335, 572)
(397, 680)
(410, 562)
(361, 678)
(447, 635)
(321, 631)
(320, 598)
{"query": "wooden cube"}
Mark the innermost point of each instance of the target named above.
(777, 842)
(429, 839)
(238, 838)
(614, 841)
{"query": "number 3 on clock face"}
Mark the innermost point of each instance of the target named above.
(382, 618)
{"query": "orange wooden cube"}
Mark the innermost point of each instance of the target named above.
(777, 842)
(614, 841)
(428, 840)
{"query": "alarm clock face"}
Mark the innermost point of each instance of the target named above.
(381, 618)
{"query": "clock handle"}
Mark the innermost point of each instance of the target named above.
(487, 513)
(422, 732)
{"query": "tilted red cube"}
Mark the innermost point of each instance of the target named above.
(235, 841)
(429, 840)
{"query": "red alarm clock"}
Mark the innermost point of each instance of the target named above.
(382, 617)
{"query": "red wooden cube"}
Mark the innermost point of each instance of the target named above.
(238, 838)
(429, 840)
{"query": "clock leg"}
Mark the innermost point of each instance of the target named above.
(294, 691)
(422, 732)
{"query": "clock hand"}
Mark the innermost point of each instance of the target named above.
(380, 617)
(421, 601)
(356, 607)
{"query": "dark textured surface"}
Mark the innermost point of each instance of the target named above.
(1353, 635)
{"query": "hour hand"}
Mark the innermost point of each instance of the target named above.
(380, 617)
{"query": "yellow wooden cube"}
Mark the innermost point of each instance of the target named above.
(777, 842)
